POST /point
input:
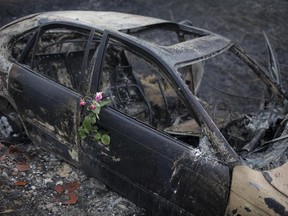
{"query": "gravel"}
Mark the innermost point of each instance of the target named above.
(35, 182)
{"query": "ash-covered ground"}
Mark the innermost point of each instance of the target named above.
(31, 189)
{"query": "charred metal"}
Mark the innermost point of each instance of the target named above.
(277, 207)
(197, 126)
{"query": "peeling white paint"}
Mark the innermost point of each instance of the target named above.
(44, 124)
(43, 110)
(73, 154)
(115, 159)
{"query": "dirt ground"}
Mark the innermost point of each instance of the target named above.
(33, 190)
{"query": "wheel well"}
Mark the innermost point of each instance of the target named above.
(6, 107)
(8, 110)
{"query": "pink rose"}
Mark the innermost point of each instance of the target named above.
(98, 96)
(92, 107)
(82, 102)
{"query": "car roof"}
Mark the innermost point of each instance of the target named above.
(102, 19)
(177, 54)
(182, 53)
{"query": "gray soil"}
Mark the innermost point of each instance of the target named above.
(33, 191)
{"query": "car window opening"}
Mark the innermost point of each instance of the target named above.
(164, 34)
(236, 100)
(59, 55)
(138, 88)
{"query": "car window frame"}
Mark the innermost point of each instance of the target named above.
(31, 47)
(143, 51)
(196, 110)
(175, 80)
(29, 44)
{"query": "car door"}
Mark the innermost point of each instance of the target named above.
(148, 160)
(47, 83)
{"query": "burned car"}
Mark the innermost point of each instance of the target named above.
(196, 126)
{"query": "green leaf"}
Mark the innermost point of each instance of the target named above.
(94, 129)
(97, 116)
(87, 123)
(97, 136)
(97, 104)
(96, 112)
(104, 103)
(93, 118)
(82, 134)
(89, 126)
(105, 139)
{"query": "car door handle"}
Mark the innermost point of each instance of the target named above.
(17, 86)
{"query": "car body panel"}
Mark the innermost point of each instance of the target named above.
(154, 165)
(52, 100)
(248, 184)
(49, 133)
(278, 177)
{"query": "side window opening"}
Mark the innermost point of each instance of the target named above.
(138, 88)
(21, 44)
(59, 54)
(232, 95)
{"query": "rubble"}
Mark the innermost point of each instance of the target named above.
(52, 187)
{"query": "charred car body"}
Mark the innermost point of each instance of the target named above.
(197, 126)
